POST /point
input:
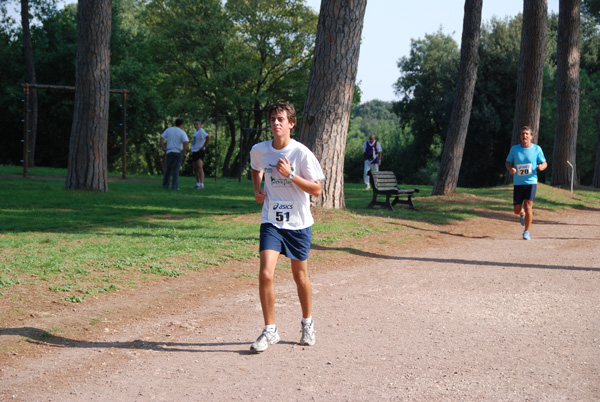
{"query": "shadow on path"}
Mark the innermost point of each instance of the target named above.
(367, 254)
(40, 337)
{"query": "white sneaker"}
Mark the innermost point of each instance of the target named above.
(197, 186)
(308, 334)
(264, 340)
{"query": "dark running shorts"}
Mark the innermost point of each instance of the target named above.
(294, 244)
(524, 192)
(198, 155)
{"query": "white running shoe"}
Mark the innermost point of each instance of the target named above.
(308, 334)
(526, 235)
(264, 340)
(197, 186)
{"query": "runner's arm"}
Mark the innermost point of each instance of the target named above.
(259, 193)
(510, 168)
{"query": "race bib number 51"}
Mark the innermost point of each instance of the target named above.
(524, 169)
(283, 212)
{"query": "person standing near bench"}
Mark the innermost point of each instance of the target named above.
(523, 162)
(199, 141)
(372, 156)
(292, 174)
(174, 141)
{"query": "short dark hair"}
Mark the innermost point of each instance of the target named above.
(527, 128)
(283, 106)
(198, 120)
(179, 122)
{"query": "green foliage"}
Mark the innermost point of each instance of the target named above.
(192, 59)
(178, 58)
(587, 136)
(191, 45)
(11, 73)
(55, 49)
(590, 44)
(489, 133)
(592, 7)
(242, 55)
(427, 84)
(375, 117)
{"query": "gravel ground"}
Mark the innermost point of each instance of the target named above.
(468, 311)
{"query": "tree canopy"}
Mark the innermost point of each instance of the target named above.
(192, 59)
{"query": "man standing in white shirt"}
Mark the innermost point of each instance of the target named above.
(291, 175)
(199, 142)
(174, 141)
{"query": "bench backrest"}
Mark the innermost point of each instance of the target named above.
(384, 180)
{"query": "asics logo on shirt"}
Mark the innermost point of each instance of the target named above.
(279, 206)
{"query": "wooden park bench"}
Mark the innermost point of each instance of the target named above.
(385, 183)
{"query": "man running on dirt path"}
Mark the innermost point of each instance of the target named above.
(523, 162)
(292, 174)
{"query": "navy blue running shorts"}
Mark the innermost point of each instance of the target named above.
(524, 192)
(294, 244)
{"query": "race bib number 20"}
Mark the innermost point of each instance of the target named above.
(283, 212)
(524, 169)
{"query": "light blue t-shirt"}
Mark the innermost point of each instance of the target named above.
(525, 160)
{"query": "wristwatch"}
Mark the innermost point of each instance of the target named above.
(291, 175)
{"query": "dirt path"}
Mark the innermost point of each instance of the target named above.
(467, 312)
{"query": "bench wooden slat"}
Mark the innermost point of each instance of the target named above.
(385, 183)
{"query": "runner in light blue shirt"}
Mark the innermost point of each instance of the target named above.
(523, 162)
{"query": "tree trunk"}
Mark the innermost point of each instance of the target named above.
(252, 124)
(87, 167)
(148, 157)
(596, 178)
(567, 93)
(229, 170)
(326, 113)
(461, 112)
(30, 68)
(534, 36)
(159, 160)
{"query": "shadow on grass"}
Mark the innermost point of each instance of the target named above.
(354, 251)
(40, 337)
(45, 206)
(36, 206)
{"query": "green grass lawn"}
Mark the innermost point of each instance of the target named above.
(79, 243)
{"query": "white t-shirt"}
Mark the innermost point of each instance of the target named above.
(286, 206)
(175, 138)
(199, 139)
